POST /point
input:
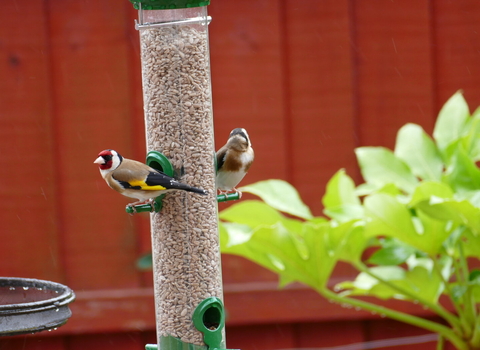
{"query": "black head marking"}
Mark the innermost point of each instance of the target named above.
(241, 132)
(107, 156)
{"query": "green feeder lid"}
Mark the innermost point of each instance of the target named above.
(168, 4)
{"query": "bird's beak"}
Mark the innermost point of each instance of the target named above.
(99, 160)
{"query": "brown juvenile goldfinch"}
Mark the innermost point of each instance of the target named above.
(233, 161)
(137, 180)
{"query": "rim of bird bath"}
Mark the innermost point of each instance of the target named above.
(30, 305)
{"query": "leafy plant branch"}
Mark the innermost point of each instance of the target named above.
(466, 328)
(437, 308)
(399, 316)
(417, 215)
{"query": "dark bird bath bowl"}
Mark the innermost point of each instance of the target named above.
(30, 305)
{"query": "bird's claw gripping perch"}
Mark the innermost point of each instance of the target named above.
(131, 209)
(225, 196)
(150, 205)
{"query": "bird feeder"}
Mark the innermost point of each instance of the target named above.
(179, 128)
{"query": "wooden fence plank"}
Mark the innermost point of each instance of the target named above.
(92, 98)
(376, 330)
(329, 334)
(261, 337)
(137, 126)
(120, 310)
(247, 82)
(73, 88)
(28, 231)
(29, 342)
(240, 270)
(320, 82)
(456, 50)
(127, 310)
(111, 341)
(394, 70)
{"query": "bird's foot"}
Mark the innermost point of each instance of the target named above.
(132, 210)
(239, 193)
(232, 191)
(151, 201)
(133, 205)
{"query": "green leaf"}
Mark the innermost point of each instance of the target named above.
(462, 174)
(424, 262)
(471, 244)
(458, 291)
(419, 152)
(281, 196)
(340, 191)
(145, 262)
(425, 284)
(476, 294)
(345, 213)
(471, 196)
(435, 233)
(428, 189)
(419, 282)
(474, 277)
(347, 241)
(451, 243)
(471, 141)
(305, 258)
(255, 213)
(366, 284)
(451, 121)
(460, 212)
(388, 217)
(318, 220)
(380, 167)
(322, 258)
(340, 200)
(394, 255)
(251, 213)
(390, 189)
(277, 262)
(367, 189)
(284, 280)
(233, 233)
(272, 247)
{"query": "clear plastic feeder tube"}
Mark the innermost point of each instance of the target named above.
(178, 120)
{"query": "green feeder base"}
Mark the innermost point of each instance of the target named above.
(208, 318)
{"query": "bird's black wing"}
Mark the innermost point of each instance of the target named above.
(160, 181)
(222, 152)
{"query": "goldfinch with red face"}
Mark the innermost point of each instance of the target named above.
(233, 161)
(137, 180)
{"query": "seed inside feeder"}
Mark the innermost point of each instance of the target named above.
(178, 117)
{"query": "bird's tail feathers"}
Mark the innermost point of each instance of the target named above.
(198, 190)
(192, 189)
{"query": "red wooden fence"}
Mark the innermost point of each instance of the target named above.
(310, 80)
